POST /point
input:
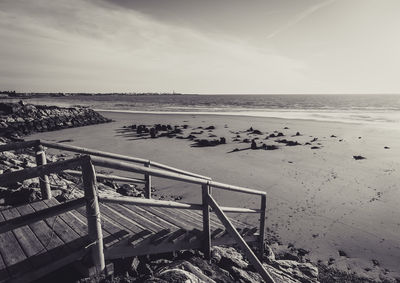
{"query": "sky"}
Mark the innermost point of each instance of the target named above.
(204, 47)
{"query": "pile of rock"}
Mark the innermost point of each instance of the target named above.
(17, 119)
(226, 265)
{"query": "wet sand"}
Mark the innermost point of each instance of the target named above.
(322, 200)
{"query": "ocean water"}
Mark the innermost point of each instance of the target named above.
(381, 109)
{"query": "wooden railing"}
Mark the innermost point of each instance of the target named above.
(90, 199)
(99, 158)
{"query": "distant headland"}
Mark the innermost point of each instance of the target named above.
(15, 94)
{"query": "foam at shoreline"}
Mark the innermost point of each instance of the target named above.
(381, 118)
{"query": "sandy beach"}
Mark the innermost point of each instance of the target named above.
(344, 211)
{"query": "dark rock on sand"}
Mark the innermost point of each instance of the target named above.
(359, 157)
(253, 144)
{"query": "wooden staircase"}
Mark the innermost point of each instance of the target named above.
(43, 236)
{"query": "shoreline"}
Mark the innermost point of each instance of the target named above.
(264, 114)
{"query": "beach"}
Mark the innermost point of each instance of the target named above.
(341, 210)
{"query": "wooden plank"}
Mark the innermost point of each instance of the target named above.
(3, 270)
(262, 226)
(13, 256)
(118, 209)
(206, 222)
(246, 249)
(62, 230)
(43, 179)
(40, 214)
(93, 215)
(120, 218)
(108, 177)
(79, 227)
(150, 220)
(112, 232)
(198, 218)
(29, 173)
(28, 241)
(149, 202)
(147, 186)
(45, 234)
(163, 214)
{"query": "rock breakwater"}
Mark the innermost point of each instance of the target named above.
(18, 119)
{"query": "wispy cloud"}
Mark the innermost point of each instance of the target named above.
(299, 17)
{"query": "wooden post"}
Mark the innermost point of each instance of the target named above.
(147, 186)
(206, 191)
(43, 179)
(235, 234)
(93, 214)
(262, 227)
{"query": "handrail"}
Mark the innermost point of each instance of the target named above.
(40, 215)
(91, 199)
(108, 177)
(98, 153)
(29, 173)
(118, 165)
(171, 204)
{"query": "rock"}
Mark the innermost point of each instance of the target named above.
(144, 269)
(228, 257)
(253, 144)
(179, 275)
(128, 190)
(359, 157)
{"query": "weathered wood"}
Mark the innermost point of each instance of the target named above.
(71, 239)
(206, 222)
(78, 226)
(139, 217)
(53, 244)
(93, 214)
(28, 241)
(172, 169)
(149, 202)
(156, 222)
(43, 179)
(261, 244)
(118, 165)
(40, 215)
(246, 249)
(19, 145)
(170, 218)
(92, 152)
(13, 256)
(108, 177)
(29, 173)
(147, 186)
(3, 270)
(118, 157)
(146, 248)
(109, 226)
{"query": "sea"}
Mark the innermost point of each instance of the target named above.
(377, 109)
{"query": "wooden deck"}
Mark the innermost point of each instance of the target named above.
(41, 237)
(128, 230)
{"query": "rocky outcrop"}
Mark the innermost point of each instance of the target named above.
(226, 265)
(18, 119)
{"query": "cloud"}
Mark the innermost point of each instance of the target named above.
(81, 45)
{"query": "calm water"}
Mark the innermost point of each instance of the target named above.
(345, 108)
